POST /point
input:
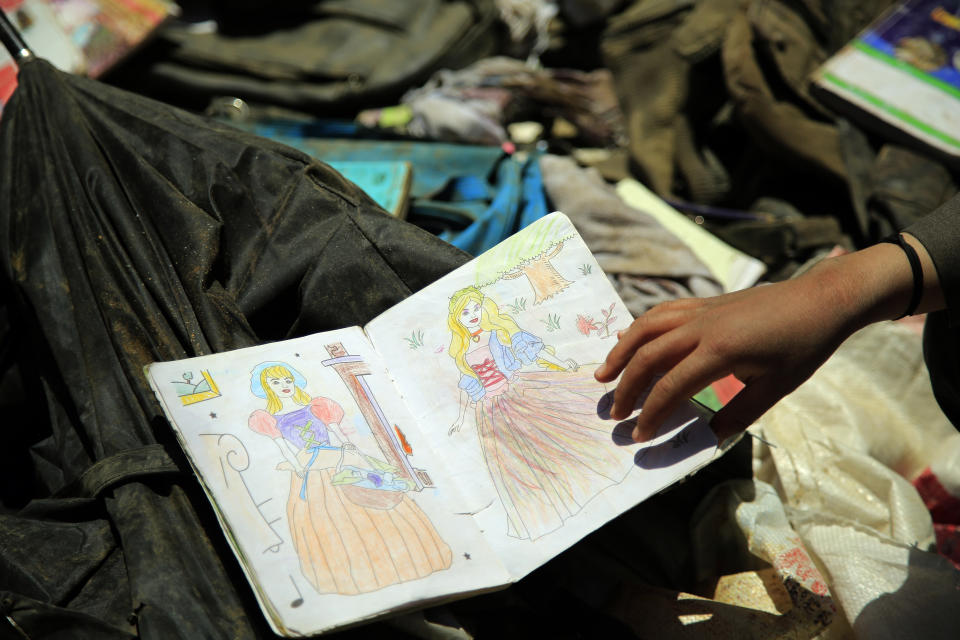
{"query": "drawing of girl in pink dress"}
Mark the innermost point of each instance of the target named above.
(547, 450)
(353, 526)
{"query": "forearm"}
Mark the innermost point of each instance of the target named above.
(875, 283)
(933, 298)
(772, 338)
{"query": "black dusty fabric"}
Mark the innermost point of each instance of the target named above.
(891, 188)
(941, 353)
(939, 232)
(132, 232)
(906, 186)
(333, 55)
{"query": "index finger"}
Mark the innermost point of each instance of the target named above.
(677, 386)
(644, 329)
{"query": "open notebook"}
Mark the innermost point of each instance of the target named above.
(449, 447)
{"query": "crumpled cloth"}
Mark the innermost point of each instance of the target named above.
(646, 263)
(476, 103)
(133, 233)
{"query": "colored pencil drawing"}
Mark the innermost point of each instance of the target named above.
(191, 392)
(519, 304)
(552, 323)
(587, 325)
(415, 341)
(529, 254)
(546, 449)
(298, 601)
(352, 521)
(233, 459)
(680, 440)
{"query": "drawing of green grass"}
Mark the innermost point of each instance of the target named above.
(416, 339)
(519, 304)
(552, 322)
(585, 269)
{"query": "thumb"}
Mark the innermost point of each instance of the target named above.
(747, 406)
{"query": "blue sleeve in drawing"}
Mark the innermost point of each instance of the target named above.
(526, 346)
(472, 386)
(504, 357)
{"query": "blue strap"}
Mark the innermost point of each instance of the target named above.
(306, 471)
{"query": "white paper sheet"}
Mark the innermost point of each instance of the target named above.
(537, 467)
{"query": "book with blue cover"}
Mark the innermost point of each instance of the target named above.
(904, 71)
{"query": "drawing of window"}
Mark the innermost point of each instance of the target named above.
(191, 392)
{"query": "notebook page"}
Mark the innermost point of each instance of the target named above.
(333, 502)
(498, 370)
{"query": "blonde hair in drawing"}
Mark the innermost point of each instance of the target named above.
(273, 402)
(490, 320)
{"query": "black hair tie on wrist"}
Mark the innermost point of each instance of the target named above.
(915, 267)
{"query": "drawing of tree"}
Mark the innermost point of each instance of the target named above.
(529, 255)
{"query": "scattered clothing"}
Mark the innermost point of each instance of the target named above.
(646, 263)
(476, 104)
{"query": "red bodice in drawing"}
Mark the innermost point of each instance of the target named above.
(482, 363)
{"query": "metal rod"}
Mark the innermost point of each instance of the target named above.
(708, 211)
(12, 40)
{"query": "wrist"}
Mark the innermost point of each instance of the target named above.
(867, 286)
(932, 298)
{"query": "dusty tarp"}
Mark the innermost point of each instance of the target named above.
(842, 451)
(132, 232)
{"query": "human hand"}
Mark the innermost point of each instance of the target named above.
(456, 426)
(772, 338)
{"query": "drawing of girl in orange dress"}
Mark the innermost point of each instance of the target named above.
(353, 526)
(547, 450)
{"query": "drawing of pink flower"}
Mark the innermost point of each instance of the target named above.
(585, 325)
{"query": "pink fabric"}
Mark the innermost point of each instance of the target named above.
(8, 82)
